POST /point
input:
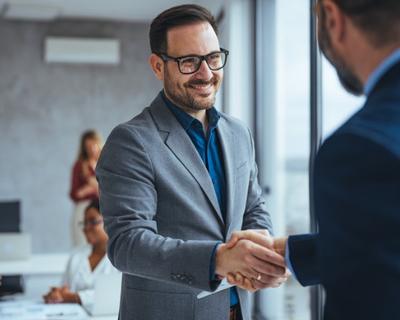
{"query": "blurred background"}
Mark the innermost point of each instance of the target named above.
(70, 66)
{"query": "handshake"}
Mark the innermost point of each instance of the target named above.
(252, 260)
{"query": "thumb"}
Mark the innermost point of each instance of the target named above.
(232, 241)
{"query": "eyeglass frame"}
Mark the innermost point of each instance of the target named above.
(166, 58)
(91, 223)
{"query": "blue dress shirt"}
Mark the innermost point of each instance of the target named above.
(209, 148)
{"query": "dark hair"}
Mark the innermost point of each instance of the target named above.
(379, 19)
(173, 17)
(89, 134)
(93, 204)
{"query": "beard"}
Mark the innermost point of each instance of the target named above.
(346, 76)
(180, 95)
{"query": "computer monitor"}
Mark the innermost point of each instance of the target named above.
(10, 216)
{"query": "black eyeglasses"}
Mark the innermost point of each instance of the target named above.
(90, 223)
(190, 64)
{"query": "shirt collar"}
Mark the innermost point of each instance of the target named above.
(377, 74)
(187, 120)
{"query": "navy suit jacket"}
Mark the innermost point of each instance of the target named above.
(356, 255)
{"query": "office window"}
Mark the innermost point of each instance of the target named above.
(338, 105)
(293, 90)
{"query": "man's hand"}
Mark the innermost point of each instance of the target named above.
(252, 260)
(259, 236)
(262, 281)
(280, 245)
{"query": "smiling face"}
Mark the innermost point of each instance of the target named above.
(94, 227)
(197, 91)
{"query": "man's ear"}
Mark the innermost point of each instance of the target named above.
(335, 21)
(157, 64)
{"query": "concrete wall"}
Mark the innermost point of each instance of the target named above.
(45, 107)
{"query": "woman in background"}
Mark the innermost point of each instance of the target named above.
(84, 186)
(86, 264)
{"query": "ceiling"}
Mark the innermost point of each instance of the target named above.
(125, 10)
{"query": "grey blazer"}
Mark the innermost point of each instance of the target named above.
(162, 215)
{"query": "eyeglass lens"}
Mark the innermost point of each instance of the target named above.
(214, 61)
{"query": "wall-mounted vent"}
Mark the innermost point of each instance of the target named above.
(82, 50)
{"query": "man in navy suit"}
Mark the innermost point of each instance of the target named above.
(356, 255)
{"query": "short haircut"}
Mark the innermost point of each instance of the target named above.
(379, 19)
(174, 17)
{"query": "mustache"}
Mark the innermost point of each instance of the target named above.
(212, 81)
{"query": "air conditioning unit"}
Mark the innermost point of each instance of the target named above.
(82, 50)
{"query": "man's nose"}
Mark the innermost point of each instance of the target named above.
(204, 71)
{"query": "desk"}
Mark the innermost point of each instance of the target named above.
(31, 310)
(40, 272)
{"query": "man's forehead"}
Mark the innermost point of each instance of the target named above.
(197, 38)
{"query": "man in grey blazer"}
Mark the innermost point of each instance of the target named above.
(177, 180)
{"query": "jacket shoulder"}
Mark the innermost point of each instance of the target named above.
(378, 122)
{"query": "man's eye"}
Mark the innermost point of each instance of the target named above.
(215, 56)
(189, 60)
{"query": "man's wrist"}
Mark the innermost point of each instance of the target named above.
(213, 276)
(280, 245)
(219, 252)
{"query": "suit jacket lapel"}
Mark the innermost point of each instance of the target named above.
(182, 147)
(227, 141)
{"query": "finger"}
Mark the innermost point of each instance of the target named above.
(259, 266)
(268, 255)
(280, 245)
(231, 279)
(233, 240)
(261, 237)
(241, 281)
(248, 284)
(239, 278)
(245, 283)
(235, 279)
(248, 271)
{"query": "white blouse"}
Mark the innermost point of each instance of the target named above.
(80, 278)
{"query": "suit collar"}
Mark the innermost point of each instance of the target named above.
(178, 141)
(228, 143)
(388, 80)
(380, 71)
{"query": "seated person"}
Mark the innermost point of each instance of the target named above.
(86, 264)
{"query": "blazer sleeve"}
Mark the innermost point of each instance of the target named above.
(128, 201)
(255, 215)
(357, 183)
(304, 258)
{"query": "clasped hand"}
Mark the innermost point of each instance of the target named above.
(252, 260)
(61, 295)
